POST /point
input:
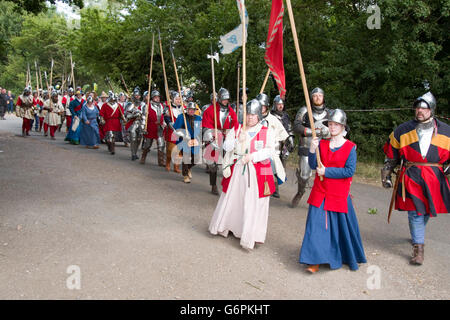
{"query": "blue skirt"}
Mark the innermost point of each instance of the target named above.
(89, 135)
(332, 238)
(74, 136)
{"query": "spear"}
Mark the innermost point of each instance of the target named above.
(244, 75)
(238, 85)
(124, 84)
(40, 77)
(149, 82)
(166, 86)
(302, 74)
(214, 57)
(179, 91)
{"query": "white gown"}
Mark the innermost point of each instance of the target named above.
(241, 210)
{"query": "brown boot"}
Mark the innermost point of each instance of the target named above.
(161, 159)
(144, 156)
(176, 168)
(214, 190)
(418, 254)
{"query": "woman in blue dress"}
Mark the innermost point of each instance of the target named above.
(75, 106)
(89, 135)
(332, 234)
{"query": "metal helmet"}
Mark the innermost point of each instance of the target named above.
(145, 94)
(121, 95)
(426, 101)
(90, 99)
(254, 107)
(27, 90)
(70, 90)
(137, 91)
(174, 94)
(111, 96)
(212, 97)
(317, 90)
(263, 99)
(54, 93)
(338, 116)
(191, 105)
(276, 101)
(223, 94)
(155, 93)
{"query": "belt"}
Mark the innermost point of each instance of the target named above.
(413, 164)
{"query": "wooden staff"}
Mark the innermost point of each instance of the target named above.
(238, 86)
(265, 81)
(166, 86)
(302, 74)
(124, 84)
(72, 74)
(179, 91)
(37, 78)
(149, 83)
(40, 77)
(214, 94)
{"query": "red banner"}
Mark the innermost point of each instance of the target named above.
(274, 45)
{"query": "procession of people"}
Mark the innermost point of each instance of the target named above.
(251, 157)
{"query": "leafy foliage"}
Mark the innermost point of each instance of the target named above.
(359, 68)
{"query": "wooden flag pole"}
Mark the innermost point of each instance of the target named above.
(73, 75)
(214, 96)
(244, 75)
(238, 87)
(302, 74)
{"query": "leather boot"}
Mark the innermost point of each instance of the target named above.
(276, 194)
(214, 189)
(176, 168)
(144, 156)
(418, 254)
(113, 147)
(161, 159)
(301, 184)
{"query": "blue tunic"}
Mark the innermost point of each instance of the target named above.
(333, 237)
(194, 133)
(89, 135)
(74, 136)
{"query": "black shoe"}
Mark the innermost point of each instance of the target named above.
(214, 190)
(276, 194)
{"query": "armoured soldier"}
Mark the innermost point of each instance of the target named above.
(170, 115)
(302, 126)
(135, 122)
(288, 145)
(421, 147)
(110, 116)
(226, 119)
(154, 130)
(24, 110)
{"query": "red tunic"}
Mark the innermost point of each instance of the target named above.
(112, 117)
(263, 168)
(427, 190)
(231, 122)
(152, 123)
(334, 191)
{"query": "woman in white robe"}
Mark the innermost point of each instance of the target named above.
(243, 206)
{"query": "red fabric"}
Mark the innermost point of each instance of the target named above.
(45, 127)
(169, 136)
(112, 118)
(41, 121)
(19, 102)
(53, 130)
(152, 124)
(263, 168)
(334, 191)
(274, 46)
(26, 125)
(68, 121)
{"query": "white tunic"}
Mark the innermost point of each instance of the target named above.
(52, 118)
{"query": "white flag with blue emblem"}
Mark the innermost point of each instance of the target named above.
(233, 39)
